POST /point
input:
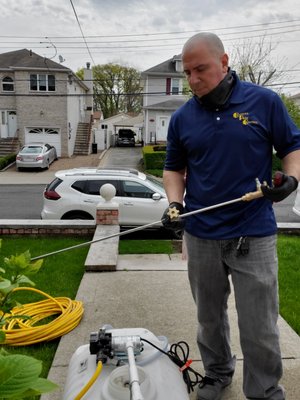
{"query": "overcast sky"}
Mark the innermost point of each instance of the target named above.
(144, 33)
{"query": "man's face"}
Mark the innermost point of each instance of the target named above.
(204, 69)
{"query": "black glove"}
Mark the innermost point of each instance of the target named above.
(170, 218)
(284, 185)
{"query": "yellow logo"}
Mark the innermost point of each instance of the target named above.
(243, 117)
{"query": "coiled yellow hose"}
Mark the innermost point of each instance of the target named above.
(23, 331)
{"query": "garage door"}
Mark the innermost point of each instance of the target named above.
(44, 135)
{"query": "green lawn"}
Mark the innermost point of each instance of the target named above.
(289, 279)
(61, 275)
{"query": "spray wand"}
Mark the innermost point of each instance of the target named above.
(246, 197)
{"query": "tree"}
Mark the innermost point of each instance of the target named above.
(252, 62)
(293, 109)
(116, 89)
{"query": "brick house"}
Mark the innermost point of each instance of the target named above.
(163, 94)
(43, 101)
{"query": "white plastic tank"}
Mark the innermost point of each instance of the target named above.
(160, 378)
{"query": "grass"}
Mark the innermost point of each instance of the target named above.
(145, 247)
(289, 279)
(61, 275)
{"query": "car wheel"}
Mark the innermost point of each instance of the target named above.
(77, 215)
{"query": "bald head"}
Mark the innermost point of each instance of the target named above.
(205, 62)
(212, 41)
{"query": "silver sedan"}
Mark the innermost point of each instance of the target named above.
(36, 155)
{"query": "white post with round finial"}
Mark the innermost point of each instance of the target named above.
(107, 210)
(103, 255)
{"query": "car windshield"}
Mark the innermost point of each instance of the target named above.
(126, 134)
(32, 149)
(155, 182)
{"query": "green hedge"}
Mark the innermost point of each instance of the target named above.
(6, 160)
(154, 157)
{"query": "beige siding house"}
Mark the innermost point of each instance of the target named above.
(41, 101)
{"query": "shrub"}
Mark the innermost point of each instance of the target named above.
(6, 160)
(154, 159)
(20, 374)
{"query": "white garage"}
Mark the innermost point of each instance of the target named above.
(44, 135)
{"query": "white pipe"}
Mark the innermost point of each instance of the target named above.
(135, 389)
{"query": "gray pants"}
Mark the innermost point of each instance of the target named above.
(254, 278)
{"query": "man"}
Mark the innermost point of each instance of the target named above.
(219, 142)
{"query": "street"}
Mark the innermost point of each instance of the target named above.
(26, 202)
(20, 198)
(21, 201)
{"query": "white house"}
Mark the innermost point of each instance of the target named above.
(163, 94)
(107, 129)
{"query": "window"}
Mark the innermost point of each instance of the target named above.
(49, 131)
(135, 189)
(42, 82)
(173, 86)
(8, 84)
(92, 187)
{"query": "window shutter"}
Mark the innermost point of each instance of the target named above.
(168, 86)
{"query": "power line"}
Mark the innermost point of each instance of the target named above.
(73, 43)
(154, 33)
(159, 39)
(157, 93)
(82, 32)
(73, 46)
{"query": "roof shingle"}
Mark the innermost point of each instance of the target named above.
(27, 59)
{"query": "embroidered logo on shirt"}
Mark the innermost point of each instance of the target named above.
(243, 117)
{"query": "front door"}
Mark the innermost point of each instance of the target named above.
(162, 128)
(12, 123)
(8, 124)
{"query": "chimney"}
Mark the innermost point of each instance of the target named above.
(88, 80)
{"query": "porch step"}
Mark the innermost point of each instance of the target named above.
(9, 146)
(82, 143)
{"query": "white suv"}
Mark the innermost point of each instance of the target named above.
(74, 194)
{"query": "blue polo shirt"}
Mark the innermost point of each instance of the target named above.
(223, 152)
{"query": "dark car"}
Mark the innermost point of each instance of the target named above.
(125, 138)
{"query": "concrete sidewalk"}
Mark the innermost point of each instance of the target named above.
(152, 292)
